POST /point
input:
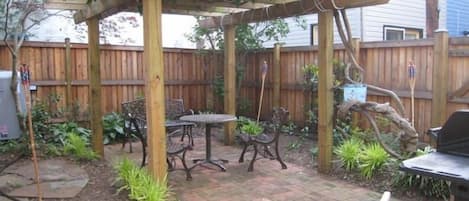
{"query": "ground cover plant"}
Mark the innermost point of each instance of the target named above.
(139, 183)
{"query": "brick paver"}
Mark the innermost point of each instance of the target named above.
(268, 182)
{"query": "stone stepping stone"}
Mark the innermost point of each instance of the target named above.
(59, 179)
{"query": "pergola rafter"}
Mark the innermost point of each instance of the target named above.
(229, 13)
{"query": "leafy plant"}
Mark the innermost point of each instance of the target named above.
(349, 152)
(252, 128)
(113, 127)
(289, 128)
(139, 183)
(372, 159)
(427, 186)
(78, 148)
(61, 131)
(40, 118)
(8, 146)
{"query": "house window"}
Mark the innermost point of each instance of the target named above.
(314, 34)
(401, 33)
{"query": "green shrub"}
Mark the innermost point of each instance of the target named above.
(61, 131)
(427, 186)
(139, 183)
(252, 128)
(76, 147)
(113, 127)
(349, 152)
(372, 159)
(40, 118)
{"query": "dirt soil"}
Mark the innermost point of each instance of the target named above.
(295, 150)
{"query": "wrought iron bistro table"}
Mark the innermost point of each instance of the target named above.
(209, 120)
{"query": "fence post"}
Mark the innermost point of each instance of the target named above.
(68, 75)
(276, 72)
(440, 78)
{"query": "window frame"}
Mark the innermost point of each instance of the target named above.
(403, 29)
(314, 36)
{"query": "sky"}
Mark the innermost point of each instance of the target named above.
(56, 29)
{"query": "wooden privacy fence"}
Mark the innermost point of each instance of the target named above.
(385, 65)
(189, 75)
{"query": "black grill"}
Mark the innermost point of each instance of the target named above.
(451, 159)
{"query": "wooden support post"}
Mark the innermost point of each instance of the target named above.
(154, 88)
(326, 94)
(230, 81)
(440, 78)
(276, 72)
(68, 74)
(94, 75)
(356, 47)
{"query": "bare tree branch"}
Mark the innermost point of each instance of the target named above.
(5, 28)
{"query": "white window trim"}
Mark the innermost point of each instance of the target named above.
(394, 29)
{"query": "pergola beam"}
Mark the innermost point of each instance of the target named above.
(102, 9)
(65, 4)
(283, 10)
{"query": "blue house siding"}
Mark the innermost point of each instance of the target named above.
(457, 17)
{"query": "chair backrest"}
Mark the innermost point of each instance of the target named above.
(174, 108)
(280, 116)
(134, 109)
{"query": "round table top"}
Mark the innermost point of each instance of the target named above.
(209, 118)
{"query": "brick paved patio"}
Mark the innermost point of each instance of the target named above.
(268, 182)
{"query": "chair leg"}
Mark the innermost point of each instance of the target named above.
(267, 151)
(186, 169)
(241, 158)
(251, 165)
(278, 156)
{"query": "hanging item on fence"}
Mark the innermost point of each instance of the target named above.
(25, 80)
(264, 73)
(412, 72)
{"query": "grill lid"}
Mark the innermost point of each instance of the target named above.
(453, 138)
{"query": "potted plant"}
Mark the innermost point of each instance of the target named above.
(252, 128)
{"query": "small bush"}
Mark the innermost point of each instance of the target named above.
(349, 152)
(61, 131)
(76, 147)
(252, 128)
(139, 183)
(113, 127)
(372, 159)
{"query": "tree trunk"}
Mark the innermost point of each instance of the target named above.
(14, 91)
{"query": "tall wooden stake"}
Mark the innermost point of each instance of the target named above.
(264, 73)
(25, 78)
(412, 72)
(276, 72)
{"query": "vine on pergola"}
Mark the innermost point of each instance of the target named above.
(408, 136)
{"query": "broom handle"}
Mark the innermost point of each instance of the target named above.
(25, 78)
(33, 143)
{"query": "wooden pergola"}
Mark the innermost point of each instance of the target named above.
(225, 13)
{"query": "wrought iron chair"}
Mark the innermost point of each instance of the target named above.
(174, 108)
(135, 125)
(265, 140)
